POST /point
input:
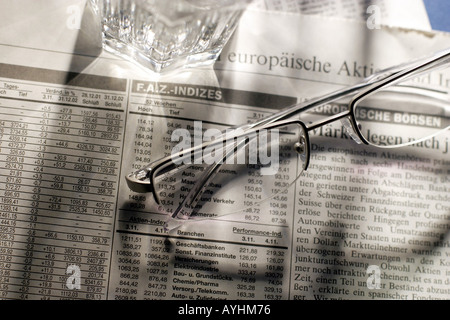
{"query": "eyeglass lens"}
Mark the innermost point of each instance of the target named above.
(261, 171)
(406, 112)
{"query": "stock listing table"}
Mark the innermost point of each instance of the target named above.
(60, 152)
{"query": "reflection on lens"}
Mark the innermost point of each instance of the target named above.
(248, 170)
(402, 115)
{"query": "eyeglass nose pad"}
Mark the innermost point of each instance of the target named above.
(301, 147)
(350, 131)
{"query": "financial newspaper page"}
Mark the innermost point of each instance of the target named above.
(360, 223)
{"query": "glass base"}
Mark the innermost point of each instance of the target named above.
(133, 54)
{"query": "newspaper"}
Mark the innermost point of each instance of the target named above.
(360, 223)
(389, 13)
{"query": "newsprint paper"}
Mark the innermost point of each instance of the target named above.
(360, 223)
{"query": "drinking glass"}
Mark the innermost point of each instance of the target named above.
(167, 34)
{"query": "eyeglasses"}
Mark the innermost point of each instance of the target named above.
(236, 170)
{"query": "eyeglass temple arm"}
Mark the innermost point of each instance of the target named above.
(187, 206)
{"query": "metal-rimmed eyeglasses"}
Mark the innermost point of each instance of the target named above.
(238, 169)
